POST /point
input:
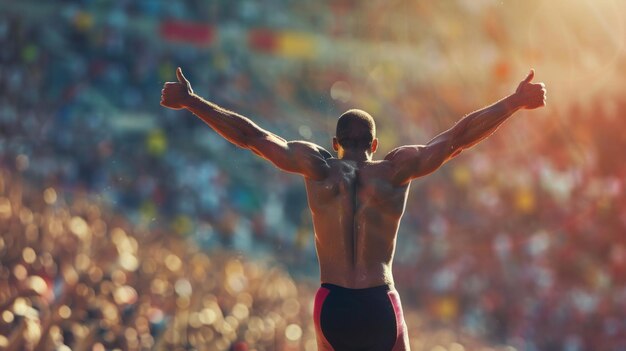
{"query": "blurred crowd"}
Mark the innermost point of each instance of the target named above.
(76, 276)
(518, 241)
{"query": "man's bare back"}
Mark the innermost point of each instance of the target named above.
(356, 213)
(356, 204)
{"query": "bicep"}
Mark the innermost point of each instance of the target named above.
(299, 157)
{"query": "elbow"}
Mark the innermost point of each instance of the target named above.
(242, 143)
(255, 151)
(453, 147)
(456, 152)
(248, 140)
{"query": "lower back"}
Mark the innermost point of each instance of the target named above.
(342, 274)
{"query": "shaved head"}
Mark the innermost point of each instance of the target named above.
(355, 130)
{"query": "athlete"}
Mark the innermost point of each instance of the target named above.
(356, 204)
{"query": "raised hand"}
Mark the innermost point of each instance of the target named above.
(175, 95)
(531, 95)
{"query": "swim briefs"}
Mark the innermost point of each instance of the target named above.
(359, 319)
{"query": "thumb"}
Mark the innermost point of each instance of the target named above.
(530, 76)
(181, 77)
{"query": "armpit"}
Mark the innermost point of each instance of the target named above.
(325, 153)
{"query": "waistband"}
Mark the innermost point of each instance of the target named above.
(374, 289)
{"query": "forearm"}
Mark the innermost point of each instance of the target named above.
(235, 128)
(480, 124)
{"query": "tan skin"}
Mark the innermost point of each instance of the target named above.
(356, 202)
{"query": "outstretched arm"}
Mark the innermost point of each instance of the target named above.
(299, 157)
(414, 161)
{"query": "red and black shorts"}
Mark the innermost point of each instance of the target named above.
(359, 319)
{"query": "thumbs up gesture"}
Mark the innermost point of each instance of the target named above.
(175, 95)
(531, 95)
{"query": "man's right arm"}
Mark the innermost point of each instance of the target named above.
(414, 161)
(299, 157)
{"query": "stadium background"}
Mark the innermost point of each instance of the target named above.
(126, 225)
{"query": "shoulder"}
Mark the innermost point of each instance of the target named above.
(310, 160)
(407, 162)
(306, 146)
(404, 153)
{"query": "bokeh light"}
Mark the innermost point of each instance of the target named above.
(125, 225)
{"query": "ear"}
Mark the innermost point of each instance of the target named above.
(335, 144)
(374, 145)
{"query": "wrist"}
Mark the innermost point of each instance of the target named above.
(514, 102)
(190, 100)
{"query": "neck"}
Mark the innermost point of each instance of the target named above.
(358, 156)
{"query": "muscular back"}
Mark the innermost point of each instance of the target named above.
(356, 212)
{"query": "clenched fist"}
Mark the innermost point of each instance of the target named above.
(175, 95)
(531, 95)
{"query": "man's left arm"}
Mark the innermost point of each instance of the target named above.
(414, 161)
